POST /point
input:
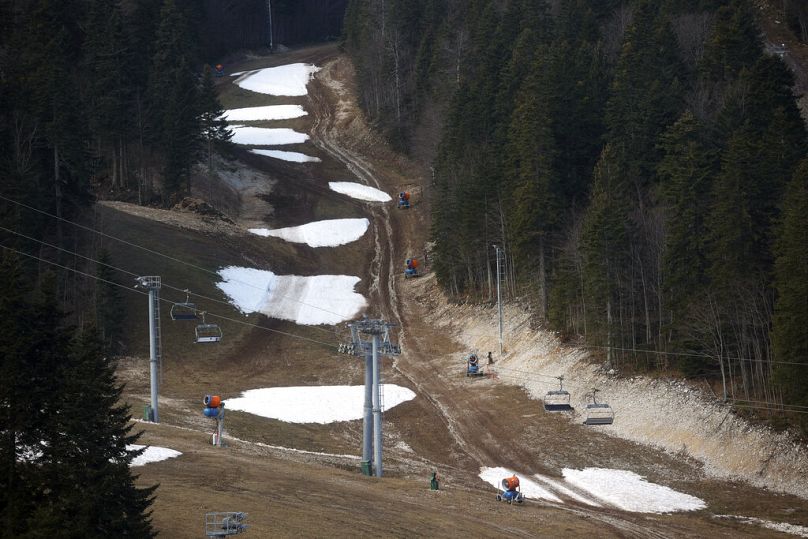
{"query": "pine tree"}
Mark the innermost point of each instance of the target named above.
(92, 451)
(791, 282)
(109, 315)
(214, 127)
(173, 100)
(686, 172)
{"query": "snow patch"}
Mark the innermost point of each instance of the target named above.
(263, 136)
(631, 492)
(314, 300)
(152, 454)
(793, 529)
(288, 79)
(531, 489)
(559, 487)
(294, 157)
(314, 404)
(666, 414)
(360, 191)
(329, 233)
(269, 112)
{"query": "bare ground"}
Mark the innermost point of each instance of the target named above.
(276, 471)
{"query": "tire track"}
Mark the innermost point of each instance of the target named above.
(325, 137)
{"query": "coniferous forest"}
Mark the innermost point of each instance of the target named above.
(643, 164)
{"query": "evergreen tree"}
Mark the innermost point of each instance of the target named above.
(93, 451)
(791, 282)
(214, 127)
(109, 315)
(173, 100)
(686, 171)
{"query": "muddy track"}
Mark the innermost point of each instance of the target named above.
(474, 428)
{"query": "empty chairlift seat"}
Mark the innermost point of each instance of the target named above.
(558, 400)
(184, 310)
(598, 413)
(206, 333)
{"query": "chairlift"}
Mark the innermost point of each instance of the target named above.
(598, 413)
(208, 332)
(184, 310)
(558, 400)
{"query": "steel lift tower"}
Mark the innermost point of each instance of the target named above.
(152, 284)
(378, 345)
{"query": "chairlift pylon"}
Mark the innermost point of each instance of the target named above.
(558, 400)
(598, 413)
(184, 310)
(206, 333)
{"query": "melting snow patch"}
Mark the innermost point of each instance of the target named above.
(559, 487)
(359, 191)
(314, 404)
(152, 454)
(263, 136)
(269, 112)
(328, 233)
(793, 529)
(294, 157)
(319, 299)
(631, 492)
(531, 489)
(290, 79)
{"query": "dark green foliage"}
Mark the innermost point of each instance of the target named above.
(109, 312)
(214, 127)
(791, 282)
(173, 100)
(637, 194)
(63, 458)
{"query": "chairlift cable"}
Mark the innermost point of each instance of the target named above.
(184, 290)
(292, 335)
(173, 259)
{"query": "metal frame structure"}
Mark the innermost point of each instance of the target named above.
(379, 345)
(152, 283)
(225, 523)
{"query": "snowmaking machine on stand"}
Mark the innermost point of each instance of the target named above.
(473, 368)
(509, 491)
(404, 200)
(412, 268)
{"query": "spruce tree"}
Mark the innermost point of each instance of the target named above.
(109, 314)
(789, 336)
(173, 100)
(214, 127)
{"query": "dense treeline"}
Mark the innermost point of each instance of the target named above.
(98, 97)
(640, 161)
(66, 439)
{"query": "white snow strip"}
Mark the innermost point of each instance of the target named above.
(314, 404)
(289, 79)
(793, 529)
(319, 299)
(152, 454)
(531, 489)
(295, 157)
(561, 489)
(263, 136)
(329, 233)
(631, 492)
(269, 112)
(359, 191)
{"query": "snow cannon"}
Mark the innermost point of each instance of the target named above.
(473, 365)
(219, 70)
(214, 408)
(212, 401)
(510, 492)
(412, 268)
(404, 200)
(213, 405)
(510, 483)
